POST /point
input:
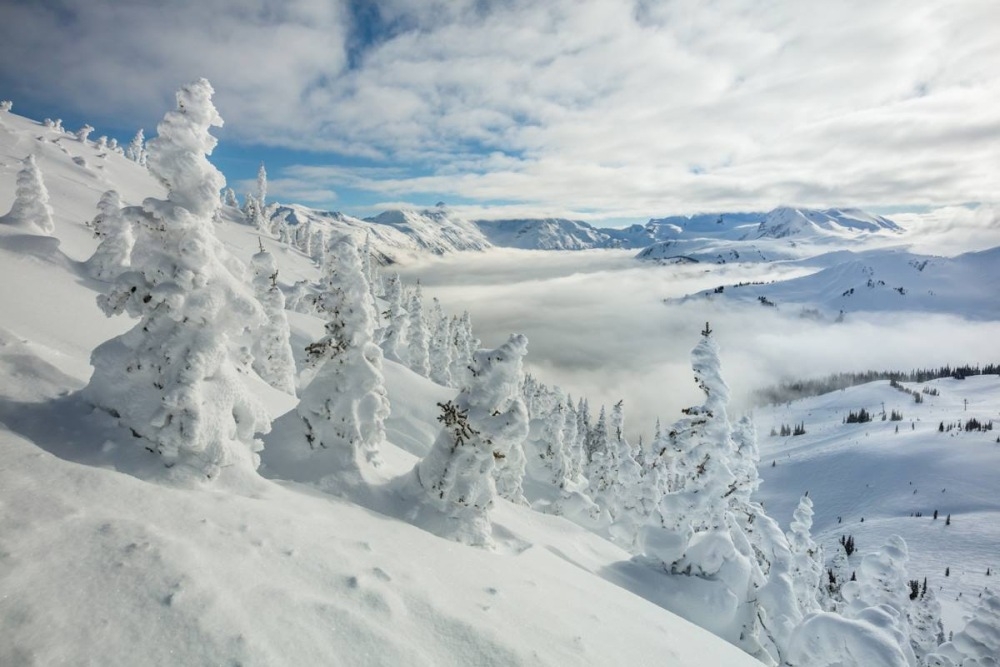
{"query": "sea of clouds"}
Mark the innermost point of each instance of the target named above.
(598, 327)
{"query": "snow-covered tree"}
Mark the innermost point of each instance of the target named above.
(345, 406)
(417, 335)
(31, 210)
(6, 105)
(395, 330)
(229, 198)
(807, 564)
(262, 186)
(272, 351)
(172, 379)
(112, 255)
(485, 421)
(136, 149)
(440, 348)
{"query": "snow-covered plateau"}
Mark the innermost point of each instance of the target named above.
(232, 435)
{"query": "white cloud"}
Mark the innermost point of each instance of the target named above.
(597, 327)
(627, 109)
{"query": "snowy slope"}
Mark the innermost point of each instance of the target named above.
(887, 280)
(104, 562)
(870, 471)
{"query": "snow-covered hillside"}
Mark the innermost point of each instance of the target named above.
(880, 478)
(883, 280)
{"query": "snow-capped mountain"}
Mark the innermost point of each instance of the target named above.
(544, 234)
(785, 222)
(436, 230)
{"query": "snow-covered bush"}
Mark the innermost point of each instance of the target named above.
(172, 379)
(345, 406)
(31, 210)
(6, 105)
(83, 133)
(481, 425)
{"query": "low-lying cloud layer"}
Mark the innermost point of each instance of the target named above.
(598, 109)
(598, 328)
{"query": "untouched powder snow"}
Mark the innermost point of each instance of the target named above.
(105, 560)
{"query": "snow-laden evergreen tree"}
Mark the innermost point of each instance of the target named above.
(345, 406)
(371, 272)
(112, 255)
(628, 476)
(481, 425)
(417, 335)
(465, 344)
(600, 468)
(172, 379)
(395, 330)
(439, 349)
(272, 350)
(572, 444)
(926, 628)
(693, 533)
(807, 564)
(6, 105)
(229, 198)
(318, 242)
(262, 187)
(31, 211)
(253, 213)
(136, 149)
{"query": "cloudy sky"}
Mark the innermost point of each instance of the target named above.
(607, 110)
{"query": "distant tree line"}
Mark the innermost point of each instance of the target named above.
(794, 389)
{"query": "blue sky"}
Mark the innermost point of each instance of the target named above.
(607, 110)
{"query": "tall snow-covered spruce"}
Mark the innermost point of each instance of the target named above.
(345, 406)
(480, 427)
(172, 379)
